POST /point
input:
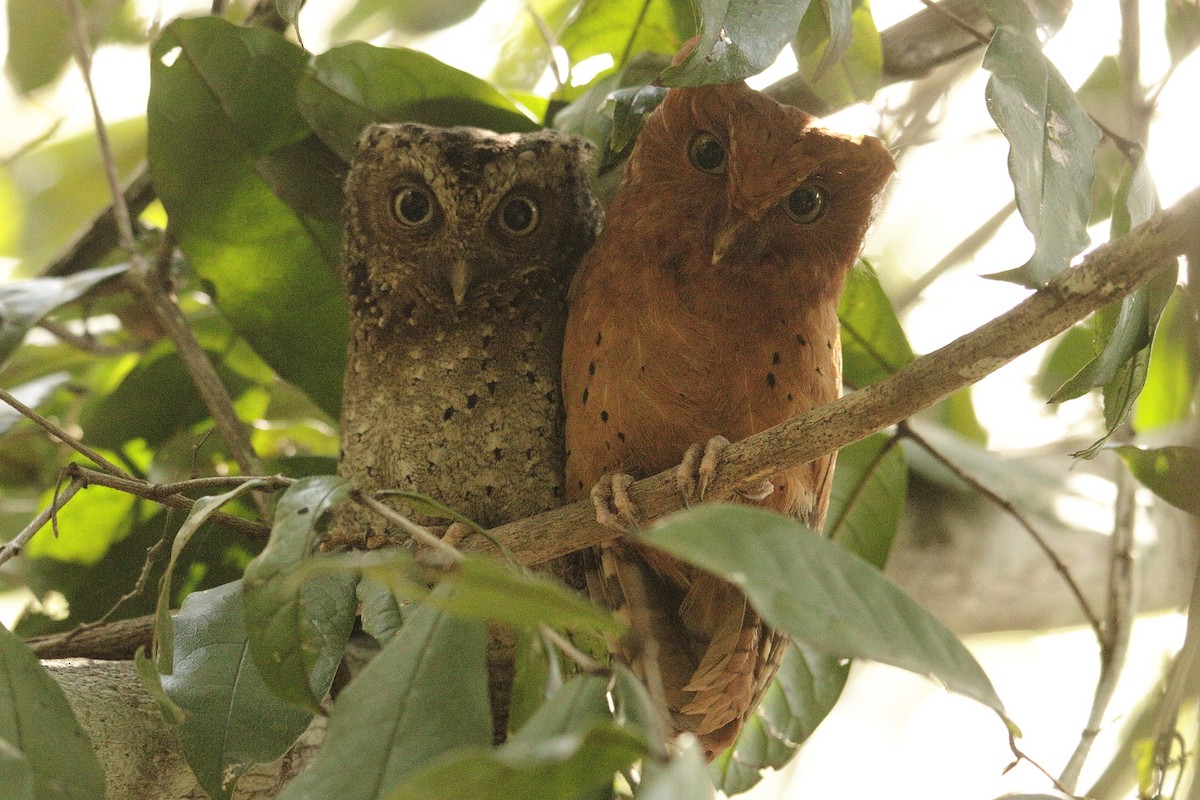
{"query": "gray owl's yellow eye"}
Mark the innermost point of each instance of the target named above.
(706, 153)
(518, 215)
(412, 207)
(807, 204)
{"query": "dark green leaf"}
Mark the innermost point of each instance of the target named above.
(1182, 28)
(224, 131)
(164, 631)
(819, 593)
(1169, 394)
(536, 676)
(635, 711)
(869, 486)
(873, 341)
(36, 719)
(424, 694)
(15, 774)
(628, 109)
(289, 10)
(31, 394)
(569, 747)
(738, 38)
(488, 589)
(683, 777)
(24, 303)
(354, 85)
(156, 400)
(1051, 146)
(378, 609)
(152, 681)
(293, 626)
(845, 68)
(1066, 353)
(234, 721)
(803, 693)
(1172, 473)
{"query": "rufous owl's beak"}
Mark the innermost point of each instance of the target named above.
(460, 280)
(729, 234)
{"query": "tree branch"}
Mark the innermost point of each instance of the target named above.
(1107, 273)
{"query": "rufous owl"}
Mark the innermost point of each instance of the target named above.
(708, 308)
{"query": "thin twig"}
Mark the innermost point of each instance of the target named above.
(421, 534)
(633, 33)
(13, 547)
(64, 437)
(1012, 743)
(582, 659)
(87, 342)
(906, 431)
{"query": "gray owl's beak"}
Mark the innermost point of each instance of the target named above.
(460, 280)
(729, 234)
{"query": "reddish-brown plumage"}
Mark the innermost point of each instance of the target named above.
(668, 344)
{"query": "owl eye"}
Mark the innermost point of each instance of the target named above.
(412, 207)
(519, 216)
(706, 153)
(807, 204)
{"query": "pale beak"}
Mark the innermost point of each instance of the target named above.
(729, 236)
(460, 280)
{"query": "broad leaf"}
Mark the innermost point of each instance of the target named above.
(424, 694)
(24, 303)
(354, 85)
(41, 41)
(1171, 377)
(738, 38)
(869, 486)
(234, 721)
(296, 624)
(1172, 473)
(37, 721)
(15, 774)
(843, 70)
(683, 777)
(568, 748)
(380, 613)
(873, 342)
(803, 693)
(819, 593)
(164, 631)
(88, 526)
(251, 193)
(623, 29)
(1051, 147)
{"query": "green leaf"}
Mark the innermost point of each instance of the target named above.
(635, 711)
(869, 486)
(224, 153)
(378, 609)
(738, 38)
(623, 29)
(1182, 28)
(152, 681)
(88, 526)
(873, 341)
(1051, 147)
(569, 747)
(164, 630)
(41, 41)
(234, 721)
(156, 400)
(819, 593)
(15, 774)
(803, 693)
(24, 303)
(683, 777)
(526, 53)
(424, 694)
(845, 69)
(36, 720)
(1168, 396)
(366, 19)
(1172, 473)
(354, 85)
(490, 590)
(296, 625)
(536, 676)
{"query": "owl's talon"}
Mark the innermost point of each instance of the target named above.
(455, 533)
(614, 508)
(698, 468)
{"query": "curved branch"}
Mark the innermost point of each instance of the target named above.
(1107, 273)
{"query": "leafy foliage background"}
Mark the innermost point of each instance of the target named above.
(244, 140)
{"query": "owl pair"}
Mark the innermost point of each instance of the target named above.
(707, 308)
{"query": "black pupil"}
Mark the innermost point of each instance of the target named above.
(805, 202)
(413, 206)
(708, 153)
(518, 215)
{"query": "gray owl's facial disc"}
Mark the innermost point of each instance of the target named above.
(445, 215)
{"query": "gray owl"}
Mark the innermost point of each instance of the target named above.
(458, 248)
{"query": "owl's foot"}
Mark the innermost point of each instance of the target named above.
(699, 466)
(614, 508)
(455, 533)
